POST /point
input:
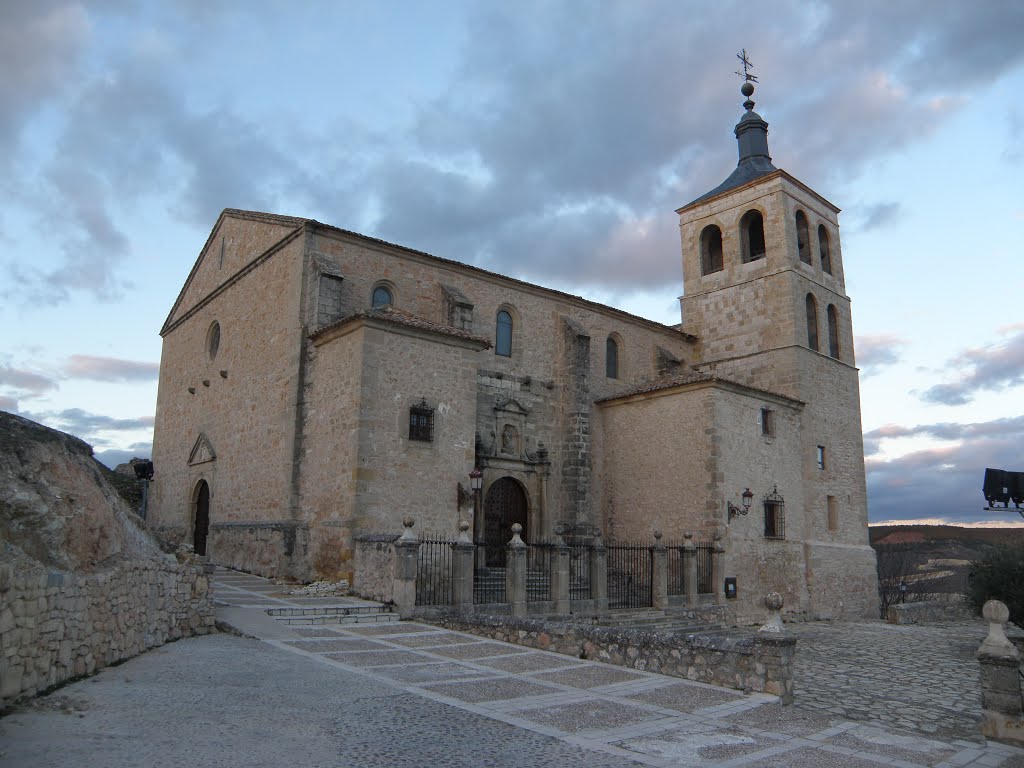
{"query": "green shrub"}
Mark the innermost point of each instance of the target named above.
(999, 574)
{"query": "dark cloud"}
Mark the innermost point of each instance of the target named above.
(25, 381)
(942, 482)
(110, 369)
(877, 215)
(40, 43)
(993, 368)
(877, 351)
(85, 424)
(559, 149)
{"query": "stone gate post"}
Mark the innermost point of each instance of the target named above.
(690, 569)
(1002, 716)
(515, 572)
(462, 570)
(659, 574)
(599, 576)
(560, 575)
(407, 549)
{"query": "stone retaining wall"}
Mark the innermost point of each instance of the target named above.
(928, 612)
(373, 575)
(762, 662)
(56, 626)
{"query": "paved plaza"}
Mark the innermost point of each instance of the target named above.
(410, 694)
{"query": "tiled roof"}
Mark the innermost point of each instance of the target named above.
(294, 221)
(401, 317)
(689, 377)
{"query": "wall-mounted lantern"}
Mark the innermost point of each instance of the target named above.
(734, 510)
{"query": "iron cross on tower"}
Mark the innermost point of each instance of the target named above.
(747, 66)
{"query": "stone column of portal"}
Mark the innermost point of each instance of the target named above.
(406, 550)
(1001, 715)
(515, 572)
(462, 570)
(659, 574)
(690, 569)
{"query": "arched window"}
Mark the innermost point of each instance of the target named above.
(752, 235)
(812, 323)
(382, 296)
(823, 249)
(833, 331)
(213, 340)
(803, 238)
(711, 250)
(503, 334)
(611, 357)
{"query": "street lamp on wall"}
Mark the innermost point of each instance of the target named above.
(747, 496)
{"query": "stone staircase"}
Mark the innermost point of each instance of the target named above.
(655, 621)
(328, 615)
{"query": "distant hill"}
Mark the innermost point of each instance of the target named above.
(934, 559)
(898, 534)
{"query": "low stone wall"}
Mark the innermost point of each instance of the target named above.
(928, 612)
(55, 626)
(760, 662)
(373, 575)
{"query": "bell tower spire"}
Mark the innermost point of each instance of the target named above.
(751, 131)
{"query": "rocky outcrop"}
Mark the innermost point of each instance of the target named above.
(55, 504)
(82, 583)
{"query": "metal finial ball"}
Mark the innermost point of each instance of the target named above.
(747, 88)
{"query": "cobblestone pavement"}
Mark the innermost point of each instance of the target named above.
(397, 694)
(922, 678)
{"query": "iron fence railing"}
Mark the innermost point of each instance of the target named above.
(539, 558)
(629, 575)
(579, 572)
(705, 566)
(434, 563)
(489, 578)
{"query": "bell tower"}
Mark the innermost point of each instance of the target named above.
(764, 293)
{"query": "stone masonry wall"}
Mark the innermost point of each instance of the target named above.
(749, 663)
(55, 626)
(374, 567)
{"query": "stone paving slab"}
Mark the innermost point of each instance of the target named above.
(640, 718)
(683, 697)
(589, 676)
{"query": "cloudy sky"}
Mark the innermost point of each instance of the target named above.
(551, 141)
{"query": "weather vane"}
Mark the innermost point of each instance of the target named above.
(747, 66)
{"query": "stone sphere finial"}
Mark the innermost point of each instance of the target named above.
(407, 535)
(995, 612)
(997, 643)
(463, 526)
(657, 535)
(773, 602)
(688, 535)
(517, 529)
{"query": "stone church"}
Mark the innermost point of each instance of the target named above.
(317, 385)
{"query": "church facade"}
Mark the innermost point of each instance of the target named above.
(317, 385)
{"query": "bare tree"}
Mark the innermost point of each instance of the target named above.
(898, 579)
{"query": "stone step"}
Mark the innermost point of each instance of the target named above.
(343, 614)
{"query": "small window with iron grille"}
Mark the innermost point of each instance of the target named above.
(767, 422)
(421, 422)
(774, 515)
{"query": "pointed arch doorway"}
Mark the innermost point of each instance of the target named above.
(201, 501)
(506, 504)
